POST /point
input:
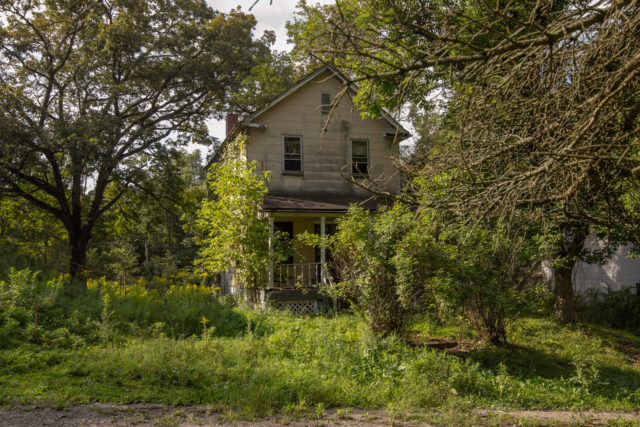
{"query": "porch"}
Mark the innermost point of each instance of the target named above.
(307, 267)
(316, 214)
(296, 283)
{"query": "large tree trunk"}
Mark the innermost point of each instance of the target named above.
(78, 257)
(565, 309)
(569, 252)
(77, 253)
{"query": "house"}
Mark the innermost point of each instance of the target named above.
(322, 156)
(619, 271)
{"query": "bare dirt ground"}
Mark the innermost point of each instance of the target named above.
(166, 415)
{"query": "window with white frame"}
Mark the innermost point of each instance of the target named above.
(292, 153)
(359, 156)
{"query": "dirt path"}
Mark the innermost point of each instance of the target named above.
(165, 415)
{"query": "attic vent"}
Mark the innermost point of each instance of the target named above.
(325, 102)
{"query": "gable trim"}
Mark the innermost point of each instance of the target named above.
(401, 132)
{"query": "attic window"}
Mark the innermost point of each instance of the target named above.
(325, 103)
(359, 156)
(292, 154)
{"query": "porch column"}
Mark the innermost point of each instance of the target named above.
(270, 251)
(323, 257)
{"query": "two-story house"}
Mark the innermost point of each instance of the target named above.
(316, 175)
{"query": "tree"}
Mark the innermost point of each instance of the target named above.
(145, 232)
(368, 261)
(28, 232)
(276, 73)
(541, 101)
(387, 261)
(92, 92)
(232, 233)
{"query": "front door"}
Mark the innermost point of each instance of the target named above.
(287, 228)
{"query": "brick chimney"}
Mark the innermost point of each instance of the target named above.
(232, 121)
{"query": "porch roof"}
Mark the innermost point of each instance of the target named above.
(274, 203)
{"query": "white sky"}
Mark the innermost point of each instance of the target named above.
(269, 16)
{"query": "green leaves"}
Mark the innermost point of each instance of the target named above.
(232, 233)
(91, 90)
(391, 259)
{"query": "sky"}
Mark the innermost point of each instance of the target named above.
(269, 17)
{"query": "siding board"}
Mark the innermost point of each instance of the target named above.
(323, 158)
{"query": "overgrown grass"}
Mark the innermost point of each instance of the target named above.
(257, 363)
(298, 364)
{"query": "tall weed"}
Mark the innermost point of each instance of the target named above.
(55, 312)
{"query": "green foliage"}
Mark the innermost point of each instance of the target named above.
(275, 74)
(616, 309)
(145, 233)
(232, 233)
(35, 309)
(365, 254)
(95, 92)
(300, 364)
(387, 260)
(180, 311)
(26, 301)
(31, 233)
(485, 272)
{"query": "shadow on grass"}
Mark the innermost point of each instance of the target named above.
(626, 342)
(598, 374)
(524, 362)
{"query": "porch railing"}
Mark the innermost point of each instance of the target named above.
(297, 275)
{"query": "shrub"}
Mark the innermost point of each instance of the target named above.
(33, 309)
(617, 309)
(386, 260)
(229, 229)
(485, 272)
(365, 257)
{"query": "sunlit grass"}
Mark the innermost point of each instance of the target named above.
(285, 363)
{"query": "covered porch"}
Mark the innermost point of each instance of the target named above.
(296, 283)
(294, 215)
(306, 268)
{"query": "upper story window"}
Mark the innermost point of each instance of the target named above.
(325, 103)
(359, 156)
(292, 153)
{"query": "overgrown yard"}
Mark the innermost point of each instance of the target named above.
(186, 345)
(283, 364)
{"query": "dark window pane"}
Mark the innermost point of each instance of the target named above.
(287, 228)
(359, 157)
(292, 145)
(360, 167)
(359, 148)
(292, 165)
(292, 153)
(326, 103)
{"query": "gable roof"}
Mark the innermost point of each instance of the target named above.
(401, 131)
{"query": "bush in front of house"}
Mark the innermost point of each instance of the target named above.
(396, 261)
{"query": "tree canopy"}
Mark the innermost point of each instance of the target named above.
(93, 92)
(541, 98)
(537, 105)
